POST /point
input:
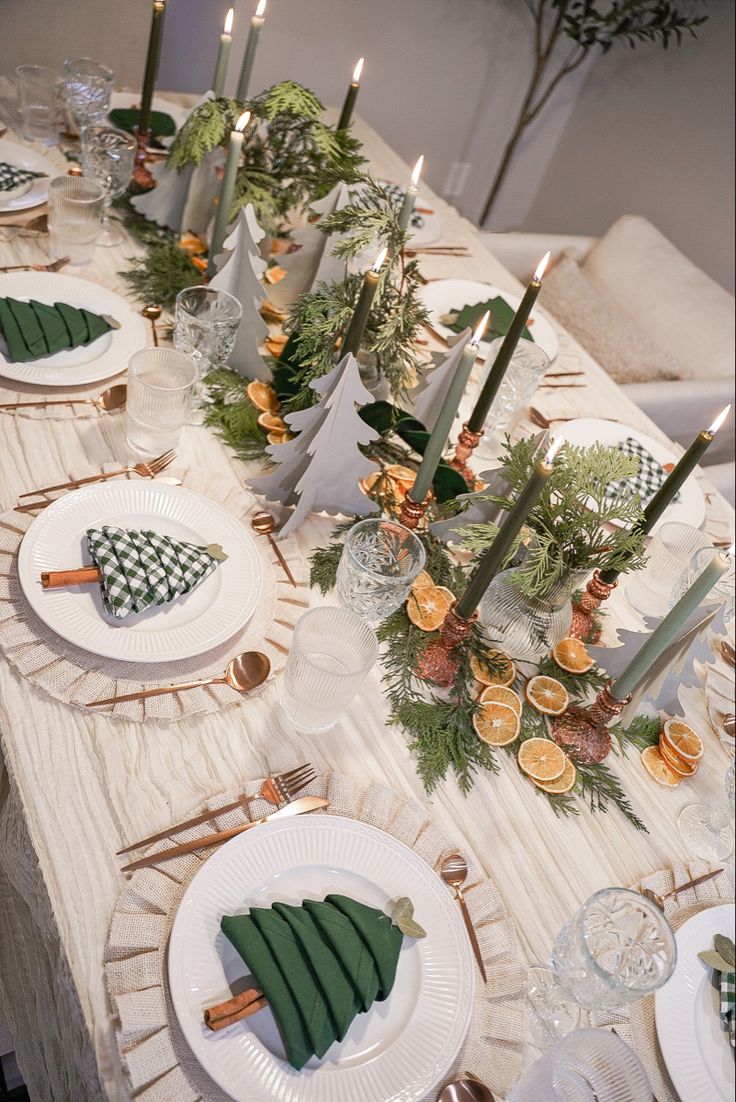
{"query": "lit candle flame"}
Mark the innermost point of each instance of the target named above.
(242, 122)
(719, 420)
(261, 9)
(358, 71)
(553, 450)
(481, 327)
(380, 259)
(541, 267)
(229, 21)
(417, 171)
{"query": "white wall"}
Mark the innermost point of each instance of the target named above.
(652, 133)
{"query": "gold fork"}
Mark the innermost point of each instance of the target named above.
(145, 470)
(280, 788)
(55, 266)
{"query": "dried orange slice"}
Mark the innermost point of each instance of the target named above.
(542, 760)
(493, 668)
(496, 724)
(547, 695)
(423, 580)
(262, 396)
(676, 763)
(276, 437)
(681, 738)
(271, 422)
(570, 654)
(562, 784)
(427, 608)
(658, 769)
(500, 694)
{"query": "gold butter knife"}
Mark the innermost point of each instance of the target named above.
(298, 807)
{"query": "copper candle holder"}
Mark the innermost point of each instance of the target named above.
(412, 512)
(583, 625)
(583, 732)
(438, 662)
(142, 177)
(467, 442)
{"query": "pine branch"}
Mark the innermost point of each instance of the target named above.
(232, 415)
(643, 731)
(161, 273)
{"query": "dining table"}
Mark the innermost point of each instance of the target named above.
(76, 786)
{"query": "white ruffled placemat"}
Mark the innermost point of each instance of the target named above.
(76, 676)
(157, 1060)
(638, 1028)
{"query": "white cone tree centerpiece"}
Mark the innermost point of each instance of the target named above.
(239, 271)
(429, 396)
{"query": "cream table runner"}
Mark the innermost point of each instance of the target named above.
(74, 786)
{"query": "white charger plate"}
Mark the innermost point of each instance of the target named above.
(696, 1050)
(103, 358)
(399, 1049)
(22, 157)
(208, 616)
(586, 431)
(119, 101)
(444, 295)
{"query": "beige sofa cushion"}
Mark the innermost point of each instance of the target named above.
(681, 309)
(618, 345)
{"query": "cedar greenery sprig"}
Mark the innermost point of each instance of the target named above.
(232, 415)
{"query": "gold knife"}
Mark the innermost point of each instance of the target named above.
(297, 807)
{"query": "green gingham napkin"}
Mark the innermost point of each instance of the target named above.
(722, 959)
(141, 569)
(12, 177)
(728, 1004)
(647, 479)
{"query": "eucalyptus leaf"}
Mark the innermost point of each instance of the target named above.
(402, 915)
(726, 948)
(410, 928)
(715, 960)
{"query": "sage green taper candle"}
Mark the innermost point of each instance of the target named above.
(223, 55)
(494, 558)
(152, 60)
(346, 115)
(491, 386)
(443, 425)
(249, 56)
(410, 196)
(226, 191)
(670, 627)
(359, 320)
(672, 484)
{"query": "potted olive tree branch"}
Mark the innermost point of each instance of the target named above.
(588, 25)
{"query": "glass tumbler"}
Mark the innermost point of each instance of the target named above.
(108, 156)
(332, 651)
(160, 388)
(528, 364)
(672, 548)
(38, 103)
(379, 562)
(206, 324)
(75, 217)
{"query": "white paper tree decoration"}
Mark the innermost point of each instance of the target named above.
(320, 469)
(239, 271)
(429, 395)
(329, 267)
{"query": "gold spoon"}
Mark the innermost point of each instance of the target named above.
(245, 672)
(264, 524)
(467, 1089)
(153, 312)
(658, 900)
(454, 871)
(112, 398)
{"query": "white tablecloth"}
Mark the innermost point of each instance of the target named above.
(74, 787)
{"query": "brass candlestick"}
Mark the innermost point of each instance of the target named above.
(141, 174)
(412, 512)
(438, 662)
(596, 592)
(583, 732)
(467, 442)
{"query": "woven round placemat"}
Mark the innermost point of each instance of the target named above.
(75, 676)
(157, 1060)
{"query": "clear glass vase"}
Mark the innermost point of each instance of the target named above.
(524, 627)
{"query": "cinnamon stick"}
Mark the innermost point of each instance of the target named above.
(234, 1010)
(55, 579)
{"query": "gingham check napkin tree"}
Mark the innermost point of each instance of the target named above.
(648, 478)
(12, 177)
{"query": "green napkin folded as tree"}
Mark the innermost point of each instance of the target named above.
(459, 318)
(33, 329)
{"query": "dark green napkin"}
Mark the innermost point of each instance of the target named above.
(96, 325)
(33, 329)
(379, 934)
(242, 932)
(75, 322)
(18, 351)
(501, 317)
(126, 118)
(55, 333)
(339, 932)
(337, 990)
(28, 324)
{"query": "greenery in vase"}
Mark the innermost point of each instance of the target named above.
(565, 530)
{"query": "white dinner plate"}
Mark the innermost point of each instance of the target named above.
(586, 431)
(90, 363)
(122, 100)
(696, 1050)
(395, 1052)
(21, 157)
(441, 296)
(208, 616)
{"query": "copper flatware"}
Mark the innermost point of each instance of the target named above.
(301, 806)
(152, 313)
(467, 1089)
(54, 266)
(728, 653)
(113, 398)
(265, 524)
(278, 789)
(454, 871)
(43, 503)
(659, 900)
(145, 470)
(244, 672)
(36, 226)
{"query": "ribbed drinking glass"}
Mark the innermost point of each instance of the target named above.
(38, 103)
(332, 651)
(75, 217)
(673, 545)
(379, 562)
(160, 388)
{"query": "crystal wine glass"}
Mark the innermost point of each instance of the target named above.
(108, 156)
(379, 562)
(87, 90)
(709, 831)
(206, 324)
(618, 948)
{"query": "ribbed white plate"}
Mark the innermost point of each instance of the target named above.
(22, 157)
(206, 617)
(103, 358)
(696, 1050)
(395, 1052)
(443, 295)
